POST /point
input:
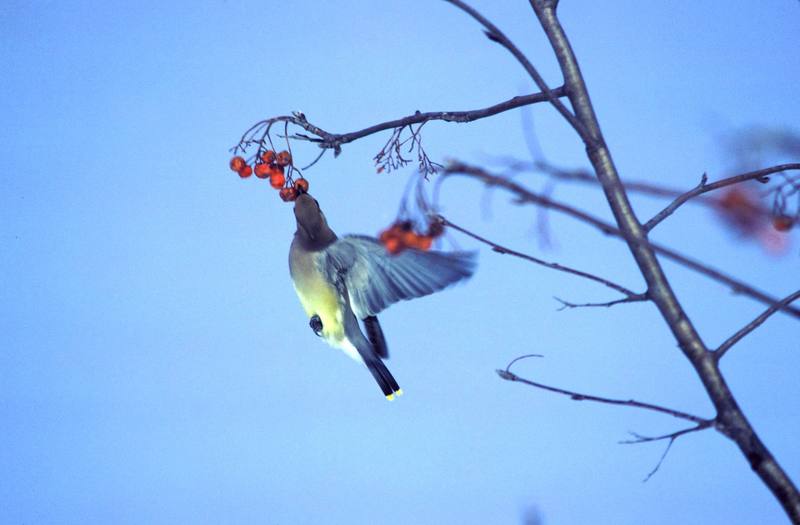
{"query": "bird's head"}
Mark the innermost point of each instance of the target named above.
(312, 228)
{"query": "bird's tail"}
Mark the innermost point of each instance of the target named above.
(384, 378)
(369, 355)
(375, 336)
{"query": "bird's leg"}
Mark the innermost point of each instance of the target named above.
(316, 324)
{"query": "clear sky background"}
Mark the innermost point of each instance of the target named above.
(156, 366)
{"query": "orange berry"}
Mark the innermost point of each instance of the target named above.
(301, 185)
(782, 223)
(409, 238)
(424, 242)
(393, 245)
(268, 156)
(262, 171)
(276, 179)
(246, 171)
(237, 163)
(284, 158)
(288, 194)
(384, 236)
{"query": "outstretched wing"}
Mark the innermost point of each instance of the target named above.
(375, 279)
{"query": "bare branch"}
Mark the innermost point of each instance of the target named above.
(638, 438)
(496, 35)
(732, 420)
(671, 437)
(576, 396)
(752, 325)
(334, 141)
(703, 187)
(636, 298)
(555, 266)
(525, 195)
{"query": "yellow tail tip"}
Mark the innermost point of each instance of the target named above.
(390, 397)
(399, 392)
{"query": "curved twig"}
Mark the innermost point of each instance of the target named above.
(496, 35)
(752, 325)
(523, 194)
(555, 266)
(672, 436)
(703, 187)
(334, 141)
(508, 375)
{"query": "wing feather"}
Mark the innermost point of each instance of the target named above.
(375, 279)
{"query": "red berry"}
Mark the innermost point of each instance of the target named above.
(237, 163)
(393, 245)
(246, 171)
(301, 185)
(288, 194)
(284, 158)
(782, 223)
(262, 171)
(409, 239)
(424, 242)
(276, 179)
(268, 156)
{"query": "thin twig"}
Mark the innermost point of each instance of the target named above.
(524, 195)
(496, 35)
(672, 436)
(638, 438)
(555, 266)
(637, 298)
(508, 375)
(752, 325)
(334, 141)
(730, 415)
(703, 187)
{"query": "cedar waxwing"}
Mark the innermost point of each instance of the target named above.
(342, 280)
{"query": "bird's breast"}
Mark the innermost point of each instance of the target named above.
(317, 295)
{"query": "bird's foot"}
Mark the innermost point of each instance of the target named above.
(316, 325)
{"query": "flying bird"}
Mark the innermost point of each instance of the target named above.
(340, 281)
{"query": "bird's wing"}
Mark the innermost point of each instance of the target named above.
(356, 339)
(375, 279)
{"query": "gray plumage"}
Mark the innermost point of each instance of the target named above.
(342, 280)
(376, 279)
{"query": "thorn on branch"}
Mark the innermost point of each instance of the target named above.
(493, 37)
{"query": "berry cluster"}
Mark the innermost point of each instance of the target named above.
(272, 166)
(401, 235)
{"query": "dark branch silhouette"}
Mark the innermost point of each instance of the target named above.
(508, 375)
(523, 194)
(729, 419)
(555, 266)
(334, 141)
(752, 325)
(672, 436)
(703, 187)
(637, 298)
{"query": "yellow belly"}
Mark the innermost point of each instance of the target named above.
(320, 298)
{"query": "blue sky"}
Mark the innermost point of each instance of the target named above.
(156, 364)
